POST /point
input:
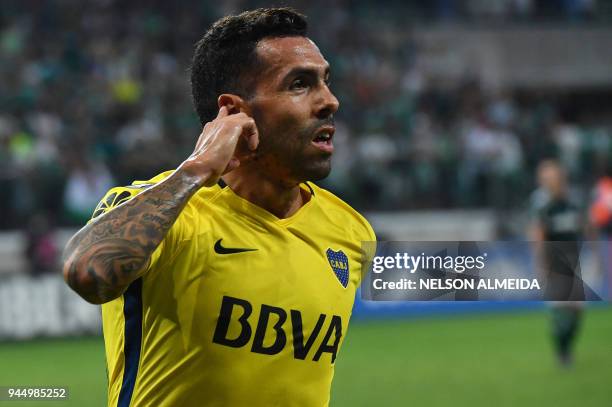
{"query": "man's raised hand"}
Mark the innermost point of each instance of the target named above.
(224, 143)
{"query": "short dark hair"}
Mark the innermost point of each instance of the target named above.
(225, 59)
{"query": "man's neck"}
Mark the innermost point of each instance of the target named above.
(279, 198)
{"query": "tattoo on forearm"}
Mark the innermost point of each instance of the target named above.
(109, 253)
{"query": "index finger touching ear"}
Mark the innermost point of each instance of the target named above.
(223, 112)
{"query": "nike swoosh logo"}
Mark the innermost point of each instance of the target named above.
(230, 250)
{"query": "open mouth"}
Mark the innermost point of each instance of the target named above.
(323, 139)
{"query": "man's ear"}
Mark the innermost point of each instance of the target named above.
(233, 103)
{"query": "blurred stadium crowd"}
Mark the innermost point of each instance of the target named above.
(96, 93)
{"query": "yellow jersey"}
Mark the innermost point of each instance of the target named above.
(237, 307)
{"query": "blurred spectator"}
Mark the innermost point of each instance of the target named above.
(88, 180)
(601, 218)
(41, 251)
(601, 209)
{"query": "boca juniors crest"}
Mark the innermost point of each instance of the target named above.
(339, 264)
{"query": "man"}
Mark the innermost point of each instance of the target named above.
(601, 219)
(230, 281)
(556, 231)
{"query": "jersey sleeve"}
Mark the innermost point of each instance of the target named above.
(364, 233)
(115, 197)
(362, 230)
(371, 235)
(119, 195)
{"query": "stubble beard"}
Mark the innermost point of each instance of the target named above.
(278, 158)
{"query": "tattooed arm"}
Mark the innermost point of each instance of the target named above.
(104, 257)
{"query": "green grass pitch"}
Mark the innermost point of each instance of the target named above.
(478, 360)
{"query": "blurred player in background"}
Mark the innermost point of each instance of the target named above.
(557, 229)
(601, 218)
(230, 281)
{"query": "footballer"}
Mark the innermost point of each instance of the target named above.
(230, 280)
(557, 230)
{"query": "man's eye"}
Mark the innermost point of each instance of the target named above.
(298, 84)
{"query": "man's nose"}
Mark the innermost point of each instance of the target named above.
(328, 104)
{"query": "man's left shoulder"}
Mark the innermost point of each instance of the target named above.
(342, 212)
